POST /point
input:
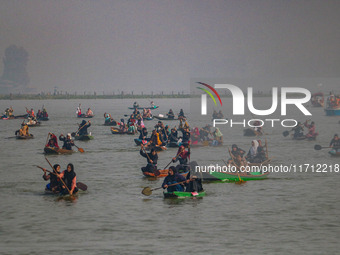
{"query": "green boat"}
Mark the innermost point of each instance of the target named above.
(182, 194)
(83, 137)
(235, 177)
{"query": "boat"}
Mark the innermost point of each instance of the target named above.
(110, 123)
(251, 132)
(24, 116)
(50, 150)
(148, 118)
(117, 131)
(140, 141)
(174, 144)
(141, 108)
(83, 137)
(334, 153)
(333, 111)
(85, 116)
(36, 124)
(162, 173)
(30, 136)
(43, 119)
(182, 194)
(305, 138)
(161, 117)
(235, 177)
(317, 99)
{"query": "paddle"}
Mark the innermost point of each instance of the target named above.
(176, 157)
(319, 147)
(79, 185)
(81, 150)
(286, 133)
(147, 191)
(156, 172)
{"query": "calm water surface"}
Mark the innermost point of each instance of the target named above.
(296, 213)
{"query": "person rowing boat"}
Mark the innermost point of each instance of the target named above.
(55, 184)
(70, 180)
(183, 157)
(335, 143)
(151, 157)
(53, 141)
(68, 142)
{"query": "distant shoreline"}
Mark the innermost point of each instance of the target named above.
(124, 96)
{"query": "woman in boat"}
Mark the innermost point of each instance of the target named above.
(218, 137)
(23, 131)
(220, 115)
(195, 136)
(68, 142)
(311, 129)
(173, 137)
(235, 151)
(172, 178)
(78, 111)
(83, 126)
(152, 158)
(89, 112)
(70, 179)
(171, 114)
(135, 114)
(183, 157)
(107, 117)
(215, 115)
(261, 153)
(53, 141)
(335, 143)
(39, 114)
(298, 130)
(44, 113)
(165, 133)
(55, 184)
(155, 140)
(258, 127)
(143, 133)
(183, 124)
(122, 126)
(252, 153)
(181, 114)
(186, 136)
(204, 133)
(148, 113)
(135, 105)
(193, 184)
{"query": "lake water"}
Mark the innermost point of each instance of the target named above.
(289, 213)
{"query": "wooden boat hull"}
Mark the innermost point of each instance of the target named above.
(332, 112)
(305, 138)
(199, 144)
(150, 118)
(162, 173)
(50, 150)
(85, 116)
(43, 119)
(173, 144)
(141, 108)
(334, 153)
(264, 163)
(116, 131)
(139, 141)
(111, 123)
(24, 137)
(182, 194)
(164, 118)
(83, 137)
(235, 177)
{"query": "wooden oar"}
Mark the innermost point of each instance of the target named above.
(147, 191)
(238, 174)
(175, 158)
(61, 179)
(319, 147)
(81, 150)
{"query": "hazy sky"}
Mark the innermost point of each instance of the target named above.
(161, 45)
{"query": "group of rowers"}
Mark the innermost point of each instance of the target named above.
(64, 182)
(79, 113)
(68, 142)
(256, 154)
(299, 130)
(333, 101)
(205, 134)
